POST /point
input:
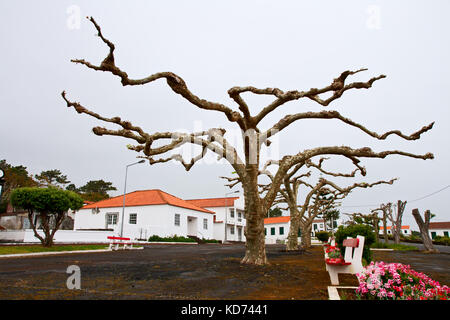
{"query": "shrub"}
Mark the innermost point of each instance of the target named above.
(414, 237)
(322, 235)
(398, 282)
(357, 230)
(51, 204)
(440, 240)
(174, 238)
(211, 240)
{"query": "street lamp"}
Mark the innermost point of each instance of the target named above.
(124, 192)
(226, 212)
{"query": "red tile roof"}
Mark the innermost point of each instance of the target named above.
(213, 202)
(439, 225)
(389, 227)
(281, 219)
(145, 198)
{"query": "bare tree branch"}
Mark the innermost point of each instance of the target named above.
(289, 119)
(175, 82)
(338, 87)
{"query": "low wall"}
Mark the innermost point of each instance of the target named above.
(61, 236)
(12, 235)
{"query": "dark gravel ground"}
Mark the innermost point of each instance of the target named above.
(211, 271)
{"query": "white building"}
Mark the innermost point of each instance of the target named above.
(405, 230)
(276, 229)
(439, 229)
(229, 220)
(147, 213)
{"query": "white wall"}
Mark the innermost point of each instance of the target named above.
(439, 232)
(223, 214)
(61, 236)
(277, 236)
(407, 233)
(320, 226)
(12, 235)
(151, 220)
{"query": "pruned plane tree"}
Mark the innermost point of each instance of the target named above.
(213, 140)
(321, 197)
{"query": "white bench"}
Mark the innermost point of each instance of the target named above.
(116, 242)
(352, 262)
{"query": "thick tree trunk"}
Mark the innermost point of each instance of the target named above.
(423, 227)
(385, 234)
(376, 227)
(255, 251)
(398, 222)
(292, 240)
(255, 248)
(396, 232)
(306, 235)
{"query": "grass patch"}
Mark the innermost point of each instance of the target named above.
(37, 248)
(401, 247)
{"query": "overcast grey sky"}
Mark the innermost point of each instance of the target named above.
(213, 46)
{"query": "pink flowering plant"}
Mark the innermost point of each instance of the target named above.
(396, 281)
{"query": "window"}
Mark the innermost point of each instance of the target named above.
(315, 226)
(405, 231)
(205, 223)
(265, 231)
(232, 213)
(133, 218)
(281, 230)
(239, 217)
(111, 218)
(272, 231)
(321, 225)
(445, 233)
(177, 219)
(433, 235)
(299, 232)
(232, 230)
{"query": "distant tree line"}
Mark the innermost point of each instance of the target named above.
(17, 176)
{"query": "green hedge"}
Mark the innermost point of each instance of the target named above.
(211, 241)
(440, 240)
(353, 231)
(322, 235)
(174, 238)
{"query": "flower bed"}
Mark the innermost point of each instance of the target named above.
(396, 281)
(333, 252)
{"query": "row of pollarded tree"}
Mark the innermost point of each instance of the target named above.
(395, 218)
(156, 146)
(320, 198)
